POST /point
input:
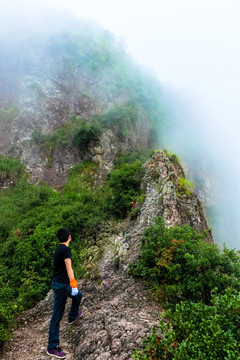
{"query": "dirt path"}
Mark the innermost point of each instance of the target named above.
(116, 317)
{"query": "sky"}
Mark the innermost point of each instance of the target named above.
(194, 48)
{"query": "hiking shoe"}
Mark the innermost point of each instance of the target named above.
(78, 316)
(57, 353)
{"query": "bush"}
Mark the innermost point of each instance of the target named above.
(122, 117)
(77, 131)
(56, 139)
(7, 313)
(131, 156)
(172, 157)
(7, 115)
(17, 201)
(182, 266)
(86, 134)
(81, 176)
(10, 168)
(199, 331)
(184, 186)
(124, 183)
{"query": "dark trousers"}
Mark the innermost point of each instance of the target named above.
(61, 293)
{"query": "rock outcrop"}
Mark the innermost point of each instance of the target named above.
(176, 204)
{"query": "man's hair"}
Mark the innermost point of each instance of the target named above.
(63, 234)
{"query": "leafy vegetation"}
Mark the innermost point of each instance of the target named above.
(129, 157)
(10, 168)
(7, 115)
(184, 187)
(182, 266)
(185, 272)
(124, 183)
(172, 157)
(81, 134)
(121, 116)
(76, 132)
(30, 218)
(199, 331)
(86, 134)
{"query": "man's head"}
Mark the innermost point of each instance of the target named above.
(63, 235)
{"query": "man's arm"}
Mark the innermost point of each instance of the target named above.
(73, 282)
(68, 263)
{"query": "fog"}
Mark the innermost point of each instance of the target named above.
(194, 49)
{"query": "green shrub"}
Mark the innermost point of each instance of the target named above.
(81, 176)
(8, 309)
(182, 266)
(7, 115)
(184, 186)
(37, 136)
(124, 183)
(58, 139)
(122, 117)
(132, 156)
(173, 157)
(7, 313)
(10, 168)
(55, 140)
(17, 201)
(199, 331)
(86, 134)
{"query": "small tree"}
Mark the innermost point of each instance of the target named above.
(86, 134)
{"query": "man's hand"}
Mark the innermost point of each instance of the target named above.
(73, 283)
(74, 291)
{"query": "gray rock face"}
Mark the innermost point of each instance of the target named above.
(164, 198)
(116, 324)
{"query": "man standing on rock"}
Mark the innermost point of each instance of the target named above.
(64, 285)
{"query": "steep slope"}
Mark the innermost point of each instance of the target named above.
(118, 309)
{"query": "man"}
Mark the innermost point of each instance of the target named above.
(64, 285)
